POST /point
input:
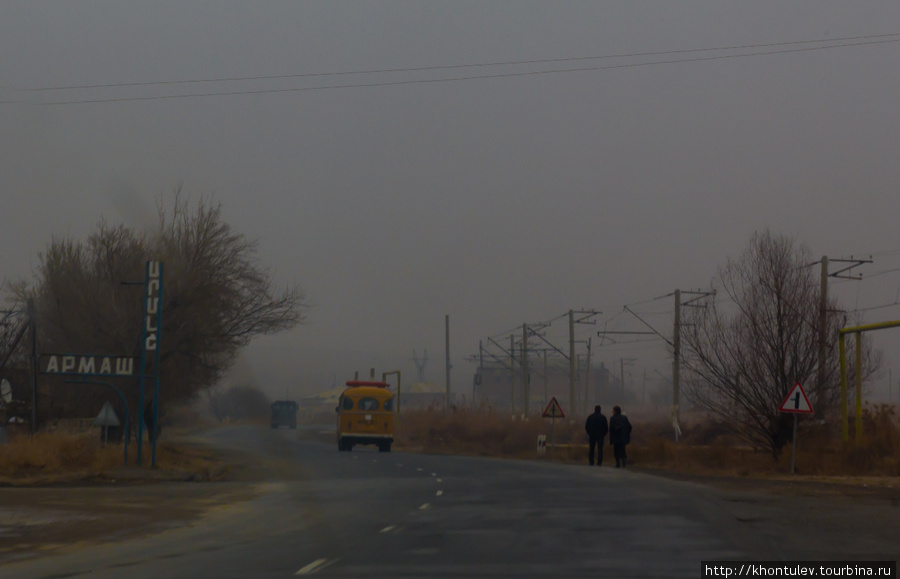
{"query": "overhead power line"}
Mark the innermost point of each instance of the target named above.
(457, 66)
(797, 46)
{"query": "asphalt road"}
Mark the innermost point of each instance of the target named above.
(317, 511)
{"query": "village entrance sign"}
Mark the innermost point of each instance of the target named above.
(124, 366)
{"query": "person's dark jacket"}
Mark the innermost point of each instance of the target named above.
(619, 429)
(596, 425)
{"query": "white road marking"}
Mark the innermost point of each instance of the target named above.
(315, 566)
(440, 480)
(420, 469)
(425, 506)
(439, 493)
(434, 474)
(387, 529)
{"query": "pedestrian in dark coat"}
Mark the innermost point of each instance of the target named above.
(596, 428)
(619, 435)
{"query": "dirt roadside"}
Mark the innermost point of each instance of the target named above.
(45, 515)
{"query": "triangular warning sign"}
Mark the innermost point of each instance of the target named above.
(553, 410)
(796, 401)
(107, 417)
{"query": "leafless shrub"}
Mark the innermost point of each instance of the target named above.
(748, 347)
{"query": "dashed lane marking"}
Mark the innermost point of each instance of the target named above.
(316, 566)
(425, 506)
(439, 493)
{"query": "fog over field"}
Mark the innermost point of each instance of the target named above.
(498, 162)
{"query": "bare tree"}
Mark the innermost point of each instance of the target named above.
(745, 350)
(217, 298)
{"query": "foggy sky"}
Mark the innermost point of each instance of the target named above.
(496, 201)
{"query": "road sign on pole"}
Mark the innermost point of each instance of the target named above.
(553, 410)
(795, 403)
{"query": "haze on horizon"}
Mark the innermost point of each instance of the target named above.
(500, 163)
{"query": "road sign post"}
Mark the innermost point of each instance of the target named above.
(553, 411)
(795, 403)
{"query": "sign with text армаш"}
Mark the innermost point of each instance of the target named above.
(795, 403)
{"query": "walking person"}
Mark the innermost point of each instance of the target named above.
(619, 435)
(596, 428)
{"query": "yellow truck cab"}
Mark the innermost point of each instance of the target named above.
(365, 415)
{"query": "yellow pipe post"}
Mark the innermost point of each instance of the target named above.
(842, 348)
(858, 330)
(858, 388)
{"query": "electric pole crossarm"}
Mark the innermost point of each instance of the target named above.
(700, 295)
(588, 315)
(627, 309)
(853, 263)
(502, 361)
(543, 339)
(602, 333)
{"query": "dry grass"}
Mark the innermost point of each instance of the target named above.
(54, 453)
(820, 450)
(706, 448)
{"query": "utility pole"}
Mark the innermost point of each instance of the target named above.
(676, 363)
(676, 347)
(447, 354)
(823, 313)
(420, 364)
(512, 373)
(545, 378)
(822, 361)
(525, 369)
(572, 363)
(622, 364)
(34, 365)
(587, 377)
(480, 380)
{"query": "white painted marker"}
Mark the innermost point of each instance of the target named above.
(315, 566)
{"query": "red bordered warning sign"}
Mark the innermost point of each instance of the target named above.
(796, 401)
(553, 410)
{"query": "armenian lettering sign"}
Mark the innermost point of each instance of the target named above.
(154, 287)
(86, 365)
